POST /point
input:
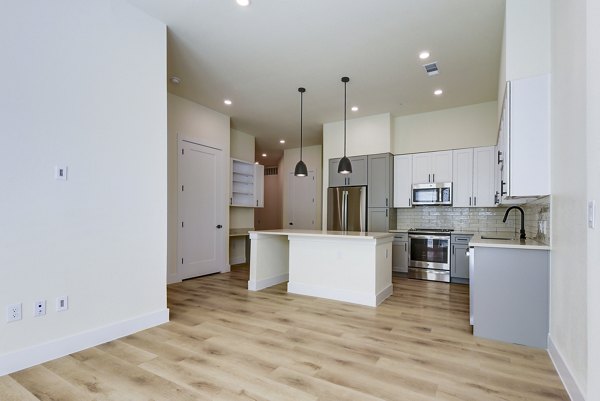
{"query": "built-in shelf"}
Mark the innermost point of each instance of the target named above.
(247, 184)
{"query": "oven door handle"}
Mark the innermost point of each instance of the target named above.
(446, 237)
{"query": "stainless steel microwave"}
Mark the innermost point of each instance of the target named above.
(432, 194)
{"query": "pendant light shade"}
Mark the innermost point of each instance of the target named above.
(300, 170)
(345, 167)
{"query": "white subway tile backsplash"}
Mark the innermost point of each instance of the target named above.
(537, 219)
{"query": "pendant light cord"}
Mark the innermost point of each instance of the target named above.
(345, 82)
(301, 103)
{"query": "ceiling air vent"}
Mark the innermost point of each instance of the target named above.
(271, 170)
(431, 69)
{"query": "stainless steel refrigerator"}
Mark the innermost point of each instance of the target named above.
(347, 208)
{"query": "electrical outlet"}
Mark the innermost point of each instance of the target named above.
(39, 308)
(13, 312)
(62, 303)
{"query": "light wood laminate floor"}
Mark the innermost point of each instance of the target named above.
(226, 343)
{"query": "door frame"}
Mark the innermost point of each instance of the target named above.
(223, 238)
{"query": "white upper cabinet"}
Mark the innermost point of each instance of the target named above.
(432, 167)
(484, 168)
(473, 181)
(524, 139)
(462, 182)
(403, 180)
(247, 184)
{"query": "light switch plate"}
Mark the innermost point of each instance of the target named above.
(60, 172)
(591, 214)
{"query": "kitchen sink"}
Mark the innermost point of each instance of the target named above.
(500, 238)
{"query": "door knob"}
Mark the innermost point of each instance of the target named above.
(291, 224)
(219, 226)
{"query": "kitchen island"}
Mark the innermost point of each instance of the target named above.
(348, 266)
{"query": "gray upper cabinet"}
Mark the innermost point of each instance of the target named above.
(381, 180)
(357, 177)
(381, 219)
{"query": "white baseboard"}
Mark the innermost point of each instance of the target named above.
(340, 294)
(173, 278)
(386, 292)
(237, 260)
(31, 356)
(564, 372)
(267, 282)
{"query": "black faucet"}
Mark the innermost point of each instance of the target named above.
(522, 231)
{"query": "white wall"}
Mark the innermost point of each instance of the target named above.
(460, 127)
(204, 126)
(526, 44)
(366, 135)
(593, 188)
(569, 261)
(311, 155)
(83, 83)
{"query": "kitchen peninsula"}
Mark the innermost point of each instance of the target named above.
(348, 266)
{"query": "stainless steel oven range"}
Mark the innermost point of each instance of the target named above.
(429, 254)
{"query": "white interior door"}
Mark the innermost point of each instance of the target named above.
(302, 193)
(201, 218)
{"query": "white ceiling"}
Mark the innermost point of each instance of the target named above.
(258, 56)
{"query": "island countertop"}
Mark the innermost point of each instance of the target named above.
(478, 241)
(327, 233)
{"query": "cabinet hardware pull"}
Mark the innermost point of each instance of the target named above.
(386, 202)
(433, 180)
(257, 202)
(386, 212)
(219, 226)
(475, 201)
(428, 177)
(502, 183)
(405, 247)
(409, 202)
(469, 201)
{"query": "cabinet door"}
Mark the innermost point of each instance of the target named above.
(336, 179)
(484, 162)
(380, 176)
(441, 166)
(421, 171)
(359, 171)
(379, 219)
(402, 181)
(460, 261)
(259, 185)
(400, 257)
(462, 182)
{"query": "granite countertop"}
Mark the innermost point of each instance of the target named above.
(509, 242)
(327, 233)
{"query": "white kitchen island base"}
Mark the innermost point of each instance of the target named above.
(345, 266)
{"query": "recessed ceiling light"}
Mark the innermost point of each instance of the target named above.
(438, 92)
(282, 141)
(424, 55)
(227, 102)
(354, 108)
(175, 80)
(264, 155)
(243, 3)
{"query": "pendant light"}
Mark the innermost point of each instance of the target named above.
(345, 167)
(300, 170)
